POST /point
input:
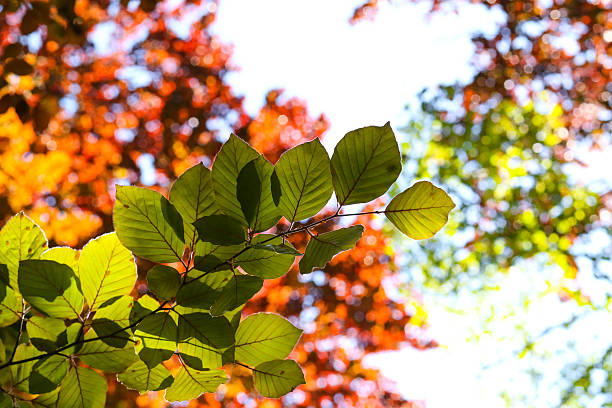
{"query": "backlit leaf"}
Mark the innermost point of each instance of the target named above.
(82, 388)
(305, 180)
(47, 374)
(20, 239)
(156, 336)
(64, 255)
(20, 373)
(10, 307)
(262, 262)
(202, 338)
(265, 213)
(420, 211)
(322, 248)
(235, 293)
(202, 289)
(232, 157)
(164, 281)
(148, 225)
(101, 356)
(51, 288)
(220, 229)
(275, 378)
(44, 332)
(263, 337)
(192, 195)
(189, 383)
(142, 379)
(107, 270)
(248, 191)
(365, 163)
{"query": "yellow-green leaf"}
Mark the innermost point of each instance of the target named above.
(265, 336)
(275, 378)
(420, 211)
(82, 388)
(20, 239)
(51, 288)
(107, 270)
(189, 383)
(142, 379)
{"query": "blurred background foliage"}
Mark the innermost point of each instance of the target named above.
(515, 146)
(78, 116)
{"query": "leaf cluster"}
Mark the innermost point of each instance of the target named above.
(69, 314)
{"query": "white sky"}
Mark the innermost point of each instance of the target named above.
(357, 75)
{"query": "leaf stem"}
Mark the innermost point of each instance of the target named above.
(283, 234)
(23, 313)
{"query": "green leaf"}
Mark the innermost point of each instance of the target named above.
(221, 252)
(83, 388)
(47, 400)
(220, 229)
(6, 401)
(144, 306)
(233, 316)
(4, 280)
(164, 281)
(110, 320)
(117, 309)
(202, 338)
(10, 307)
(275, 188)
(248, 191)
(262, 262)
(192, 195)
(148, 224)
(142, 379)
(323, 247)
(20, 239)
(20, 373)
(255, 186)
(107, 270)
(189, 384)
(51, 288)
(73, 334)
(275, 378)
(420, 211)
(201, 289)
(305, 180)
(264, 337)
(47, 374)
(233, 156)
(279, 249)
(101, 356)
(235, 293)
(44, 332)
(156, 338)
(209, 256)
(365, 163)
(210, 263)
(64, 255)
